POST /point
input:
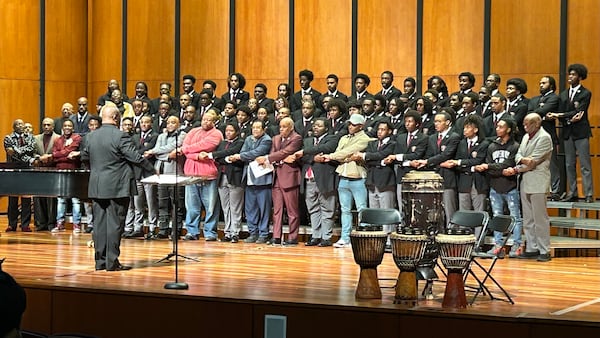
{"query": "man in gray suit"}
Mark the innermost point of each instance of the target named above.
(113, 158)
(533, 163)
(44, 208)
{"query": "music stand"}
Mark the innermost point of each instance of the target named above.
(175, 181)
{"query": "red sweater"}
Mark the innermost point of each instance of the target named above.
(195, 142)
(60, 151)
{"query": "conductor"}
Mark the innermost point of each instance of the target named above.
(113, 163)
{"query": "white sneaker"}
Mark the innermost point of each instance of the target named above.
(341, 244)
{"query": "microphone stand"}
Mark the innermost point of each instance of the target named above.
(177, 285)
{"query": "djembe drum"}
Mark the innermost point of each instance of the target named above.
(407, 250)
(455, 252)
(422, 208)
(368, 247)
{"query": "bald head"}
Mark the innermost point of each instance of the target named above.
(66, 109)
(286, 126)
(110, 115)
(532, 123)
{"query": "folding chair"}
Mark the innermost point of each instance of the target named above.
(461, 220)
(504, 224)
(472, 220)
(375, 216)
(369, 217)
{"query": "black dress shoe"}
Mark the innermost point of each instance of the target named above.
(119, 267)
(235, 239)
(290, 242)
(324, 243)
(544, 258)
(570, 199)
(313, 242)
(555, 197)
(529, 255)
(589, 199)
(135, 234)
(101, 267)
(274, 241)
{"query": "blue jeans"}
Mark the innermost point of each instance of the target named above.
(203, 194)
(513, 201)
(349, 190)
(61, 206)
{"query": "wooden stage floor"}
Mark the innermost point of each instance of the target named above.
(58, 272)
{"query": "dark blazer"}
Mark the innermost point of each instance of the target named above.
(446, 151)
(427, 126)
(112, 156)
(398, 126)
(266, 103)
(325, 175)
(340, 129)
(304, 130)
(370, 126)
(218, 102)
(245, 129)
(413, 151)
(296, 98)
(148, 144)
(80, 128)
(189, 125)
(483, 110)
(468, 159)
(542, 105)
(241, 97)
(286, 174)
(518, 111)
(195, 99)
(155, 103)
(338, 95)
(377, 174)
(581, 102)
(158, 125)
(490, 129)
(391, 93)
(364, 96)
(234, 170)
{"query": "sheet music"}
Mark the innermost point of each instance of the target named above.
(259, 170)
(170, 179)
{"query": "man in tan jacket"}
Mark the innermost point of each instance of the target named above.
(352, 174)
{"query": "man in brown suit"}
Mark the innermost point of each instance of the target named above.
(286, 180)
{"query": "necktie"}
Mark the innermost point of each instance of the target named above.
(379, 145)
(469, 146)
(410, 138)
(309, 171)
(143, 136)
(21, 141)
(439, 140)
(571, 94)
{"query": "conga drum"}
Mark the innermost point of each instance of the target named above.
(422, 208)
(455, 253)
(368, 248)
(407, 250)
